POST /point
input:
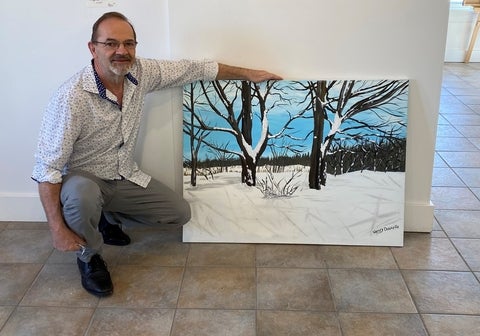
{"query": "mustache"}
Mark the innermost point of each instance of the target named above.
(121, 58)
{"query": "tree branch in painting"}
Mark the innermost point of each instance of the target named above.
(232, 103)
(334, 103)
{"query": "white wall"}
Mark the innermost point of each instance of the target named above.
(334, 39)
(461, 23)
(298, 39)
(46, 43)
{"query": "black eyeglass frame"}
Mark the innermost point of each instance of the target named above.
(114, 45)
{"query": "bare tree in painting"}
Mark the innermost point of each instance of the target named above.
(196, 135)
(221, 99)
(335, 102)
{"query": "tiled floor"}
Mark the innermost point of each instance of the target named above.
(163, 287)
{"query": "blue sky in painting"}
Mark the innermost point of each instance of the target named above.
(393, 114)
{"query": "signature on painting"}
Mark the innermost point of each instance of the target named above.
(386, 229)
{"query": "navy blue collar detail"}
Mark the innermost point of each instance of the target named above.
(102, 90)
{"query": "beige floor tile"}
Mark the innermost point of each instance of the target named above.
(453, 198)
(375, 324)
(451, 325)
(59, 285)
(436, 226)
(444, 292)
(459, 223)
(442, 121)
(475, 142)
(297, 323)
(5, 312)
(144, 287)
(128, 322)
(469, 99)
(293, 289)
(420, 251)
(204, 322)
(302, 256)
(27, 225)
(439, 162)
(240, 255)
(463, 119)
(359, 257)
(449, 143)
(47, 321)
(25, 246)
(438, 234)
(470, 250)
(154, 248)
(15, 279)
(370, 291)
(469, 131)
(461, 159)
(470, 176)
(448, 131)
(218, 287)
(446, 177)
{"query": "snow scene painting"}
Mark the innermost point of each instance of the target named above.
(295, 162)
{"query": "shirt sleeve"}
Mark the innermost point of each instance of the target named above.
(55, 144)
(165, 74)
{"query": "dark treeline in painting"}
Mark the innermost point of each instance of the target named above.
(380, 157)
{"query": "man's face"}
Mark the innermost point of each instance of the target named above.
(109, 59)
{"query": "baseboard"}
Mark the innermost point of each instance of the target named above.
(418, 217)
(24, 207)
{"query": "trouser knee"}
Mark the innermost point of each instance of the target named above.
(81, 201)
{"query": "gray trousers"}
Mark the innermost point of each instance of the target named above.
(84, 197)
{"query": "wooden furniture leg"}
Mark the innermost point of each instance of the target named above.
(474, 37)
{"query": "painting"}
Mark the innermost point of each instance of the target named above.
(295, 162)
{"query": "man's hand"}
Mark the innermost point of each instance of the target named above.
(258, 76)
(65, 240)
(233, 72)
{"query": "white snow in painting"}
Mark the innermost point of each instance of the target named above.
(358, 208)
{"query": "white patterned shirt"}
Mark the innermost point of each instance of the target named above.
(85, 129)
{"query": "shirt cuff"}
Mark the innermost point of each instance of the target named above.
(211, 70)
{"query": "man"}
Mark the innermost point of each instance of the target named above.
(87, 179)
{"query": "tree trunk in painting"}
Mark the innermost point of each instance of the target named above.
(350, 101)
(316, 178)
(248, 166)
(193, 152)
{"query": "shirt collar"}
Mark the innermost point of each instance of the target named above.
(102, 90)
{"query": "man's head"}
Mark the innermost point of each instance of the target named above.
(113, 45)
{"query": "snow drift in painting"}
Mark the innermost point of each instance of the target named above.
(304, 162)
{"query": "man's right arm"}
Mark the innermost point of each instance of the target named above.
(64, 239)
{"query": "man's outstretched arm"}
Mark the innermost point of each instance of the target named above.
(233, 72)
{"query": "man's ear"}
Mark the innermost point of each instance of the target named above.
(91, 47)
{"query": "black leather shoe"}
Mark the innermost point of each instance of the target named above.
(95, 276)
(112, 234)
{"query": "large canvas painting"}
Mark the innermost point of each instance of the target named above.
(295, 162)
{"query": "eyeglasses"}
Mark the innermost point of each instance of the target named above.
(114, 45)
